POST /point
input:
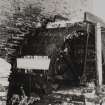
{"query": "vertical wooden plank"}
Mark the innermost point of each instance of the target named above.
(98, 53)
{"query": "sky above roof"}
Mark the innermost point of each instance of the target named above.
(99, 8)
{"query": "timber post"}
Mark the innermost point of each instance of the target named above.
(98, 47)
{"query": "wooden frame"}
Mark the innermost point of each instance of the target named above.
(89, 17)
(99, 24)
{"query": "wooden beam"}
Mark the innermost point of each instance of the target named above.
(89, 17)
(98, 53)
(62, 24)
